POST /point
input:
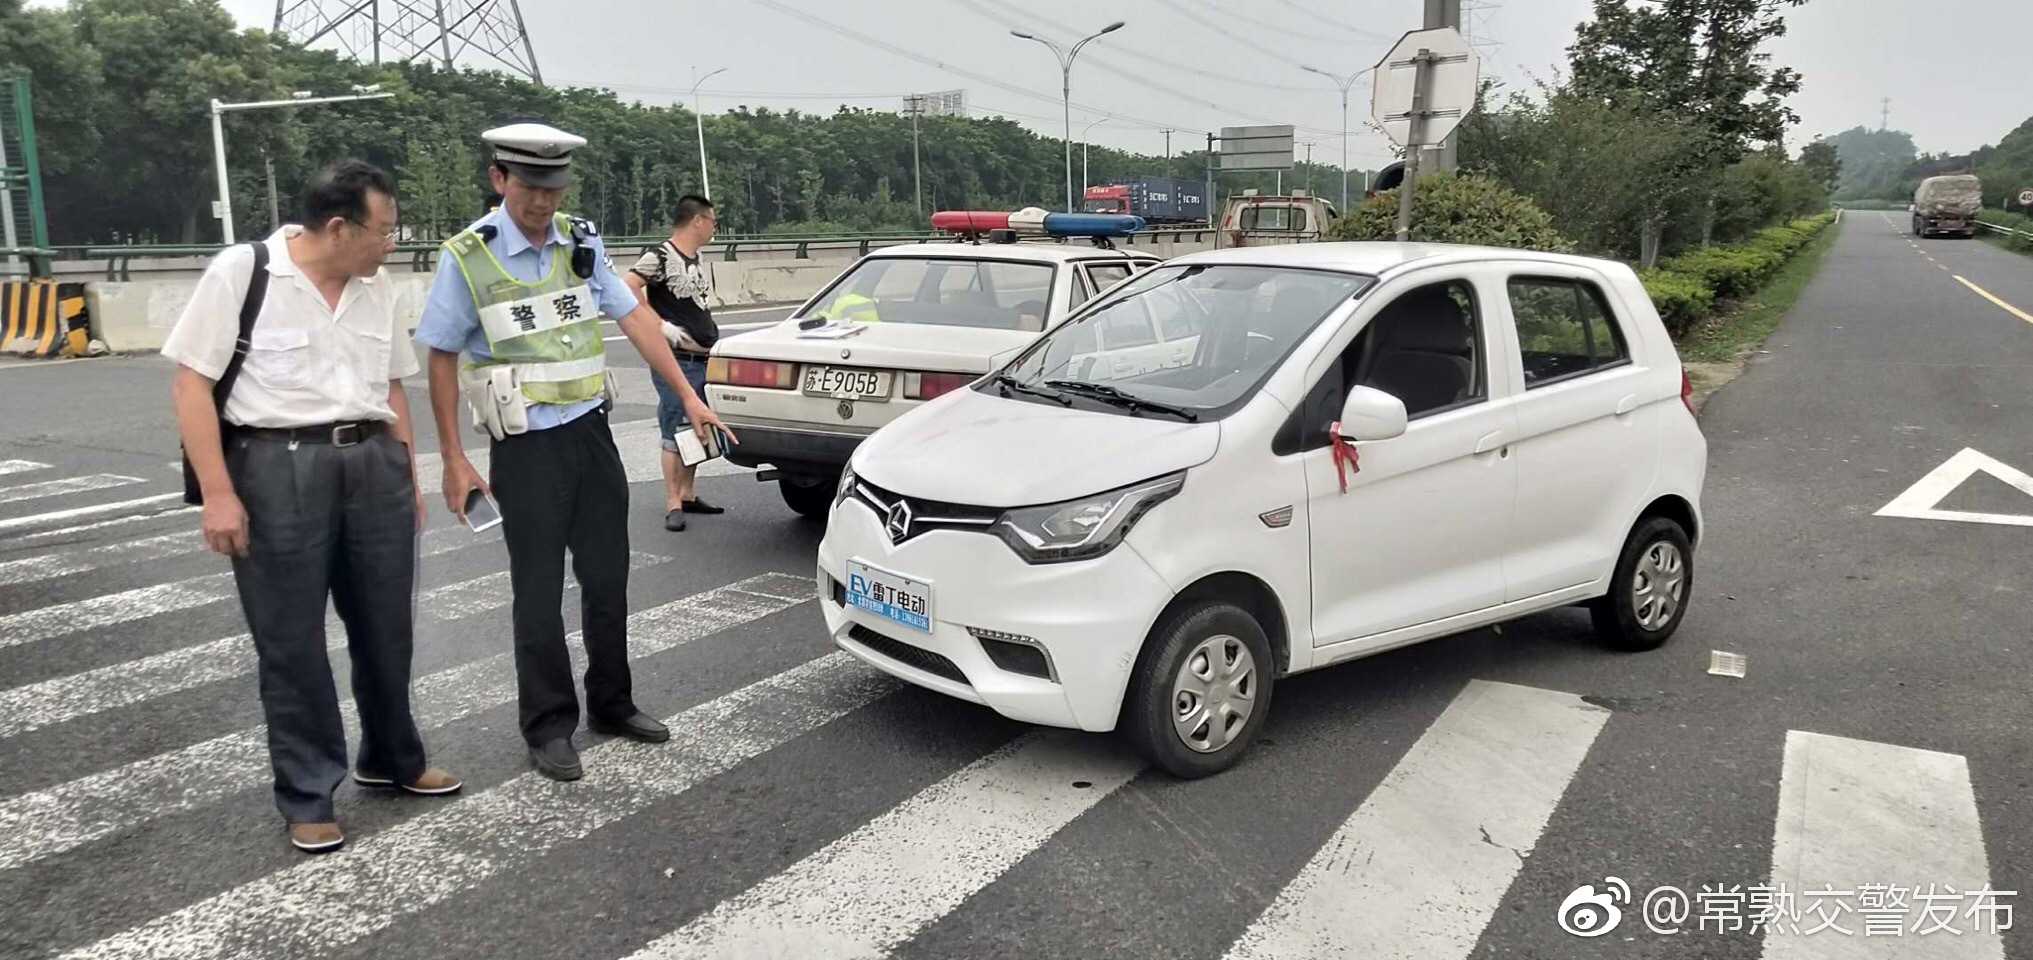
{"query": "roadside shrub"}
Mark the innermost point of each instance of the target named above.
(1728, 272)
(1457, 209)
(1682, 300)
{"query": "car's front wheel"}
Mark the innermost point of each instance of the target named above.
(809, 496)
(1200, 690)
(1649, 591)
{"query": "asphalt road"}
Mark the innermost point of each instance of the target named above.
(1442, 800)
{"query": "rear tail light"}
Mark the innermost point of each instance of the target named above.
(751, 373)
(1686, 390)
(925, 386)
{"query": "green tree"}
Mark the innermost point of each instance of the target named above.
(1447, 208)
(1874, 163)
(1823, 163)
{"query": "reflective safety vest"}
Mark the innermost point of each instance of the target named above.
(852, 306)
(548, 331)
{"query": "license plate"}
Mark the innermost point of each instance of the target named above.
(846, 382)
(890, 596)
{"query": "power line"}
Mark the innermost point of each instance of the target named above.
(1231, 35)
(1367, 34)
(907, 54)
(1117, 46)
(1266, 24)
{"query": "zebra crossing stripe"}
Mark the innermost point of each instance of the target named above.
(57, 488)
(429, 858)
(1419, 869)
(1854, 813)
(49, 567)
(76, 616)
(11, 467)
(915, 863)
(77, 812)
(76, 513)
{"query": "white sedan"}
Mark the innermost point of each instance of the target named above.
(937, 317)
(1370, 445)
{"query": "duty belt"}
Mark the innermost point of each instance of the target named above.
(341, 434)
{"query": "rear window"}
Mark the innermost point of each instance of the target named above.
(992, 294)
(1564, 328)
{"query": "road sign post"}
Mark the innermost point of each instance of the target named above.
(1424, 87)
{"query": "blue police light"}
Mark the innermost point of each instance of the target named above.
(1092, 224)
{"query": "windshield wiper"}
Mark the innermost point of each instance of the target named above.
(1114, 395)
(1009, 383)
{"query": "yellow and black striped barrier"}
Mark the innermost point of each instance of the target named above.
(28, 311)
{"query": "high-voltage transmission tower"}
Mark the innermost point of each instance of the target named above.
(405, 31)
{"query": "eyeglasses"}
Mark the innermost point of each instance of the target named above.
(386, 233)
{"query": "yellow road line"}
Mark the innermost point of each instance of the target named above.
(1987, 295)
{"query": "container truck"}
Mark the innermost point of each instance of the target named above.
(1156, 199)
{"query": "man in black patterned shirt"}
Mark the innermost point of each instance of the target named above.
(674, 282)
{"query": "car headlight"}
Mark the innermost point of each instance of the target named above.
(846, 485)
(1084, 528)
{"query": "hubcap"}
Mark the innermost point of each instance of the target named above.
(1658, 585)
(1214, 693)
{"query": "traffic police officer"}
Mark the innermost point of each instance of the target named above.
(521, 293)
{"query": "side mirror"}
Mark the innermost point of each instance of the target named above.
(1371, 414)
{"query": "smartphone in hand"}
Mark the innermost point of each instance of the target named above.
(481, 511)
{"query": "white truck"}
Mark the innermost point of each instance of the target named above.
(1253, 219)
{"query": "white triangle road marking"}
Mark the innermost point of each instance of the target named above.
(1921, 500)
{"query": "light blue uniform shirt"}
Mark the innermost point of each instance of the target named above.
(451, 322)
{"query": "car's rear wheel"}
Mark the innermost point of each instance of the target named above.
(1200, 690)
(809, 496)
(1649, 591)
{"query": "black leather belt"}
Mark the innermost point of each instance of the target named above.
(689, 355)
(343, 434)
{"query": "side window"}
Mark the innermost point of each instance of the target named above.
(1425, 348)
(1082, 290)
(1564, 328)
(1106, 275)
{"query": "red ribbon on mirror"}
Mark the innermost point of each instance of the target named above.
(1345, 459)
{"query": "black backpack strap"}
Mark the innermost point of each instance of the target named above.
(250, 308)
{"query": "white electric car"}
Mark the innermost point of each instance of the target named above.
(1369, 445)
(945, 314)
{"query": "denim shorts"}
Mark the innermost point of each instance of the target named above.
(670, 411)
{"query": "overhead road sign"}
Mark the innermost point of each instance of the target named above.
(1256, 148)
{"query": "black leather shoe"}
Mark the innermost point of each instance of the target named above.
(641, 727)
(674, 520)
(557, 760)
(699, 506)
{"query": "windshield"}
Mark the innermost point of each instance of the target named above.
(1193, 338)
(948, 291)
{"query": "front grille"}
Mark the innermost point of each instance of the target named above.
(906, 654)
(925, 515)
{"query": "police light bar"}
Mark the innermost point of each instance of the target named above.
(1036, 222)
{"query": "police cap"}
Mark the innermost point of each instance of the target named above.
(537, 153)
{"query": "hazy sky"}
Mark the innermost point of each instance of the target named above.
(1197, 65)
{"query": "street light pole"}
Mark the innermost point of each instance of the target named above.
(1066, 89)
(1085, 179)
(1344, 84)
(699, 122)
(223, 208)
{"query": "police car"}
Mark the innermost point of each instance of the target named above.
(906, 324)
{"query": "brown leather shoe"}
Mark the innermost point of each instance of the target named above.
(322, 837)
(433, 782)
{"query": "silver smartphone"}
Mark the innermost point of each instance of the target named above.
(481, 511)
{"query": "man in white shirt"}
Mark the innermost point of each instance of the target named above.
(308, 480)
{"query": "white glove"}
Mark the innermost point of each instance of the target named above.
(673, 333)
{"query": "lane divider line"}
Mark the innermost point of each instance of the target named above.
(1987, 295)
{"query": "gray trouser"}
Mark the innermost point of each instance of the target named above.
(329, 521)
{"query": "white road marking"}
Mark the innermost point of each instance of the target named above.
(58, 488)
(8, 467)
(76, 616)
(434, 856)
(124, 506)
(50, 566)
(914, 864)
(1851, 813)
(1919, 501)
(64, 535)
(63, 699)
(1419, 869)
(71, 814)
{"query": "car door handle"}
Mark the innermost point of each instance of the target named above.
(1490, 441)
(1627, 404)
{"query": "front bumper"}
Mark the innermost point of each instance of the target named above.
(1090, 618)
(791, 448)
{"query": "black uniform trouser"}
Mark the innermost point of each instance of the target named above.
(331, 521)
(565, 488)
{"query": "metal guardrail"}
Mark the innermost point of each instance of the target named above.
(120, 260)
(2005, 230)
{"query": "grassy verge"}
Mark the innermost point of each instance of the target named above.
(1715, 349)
